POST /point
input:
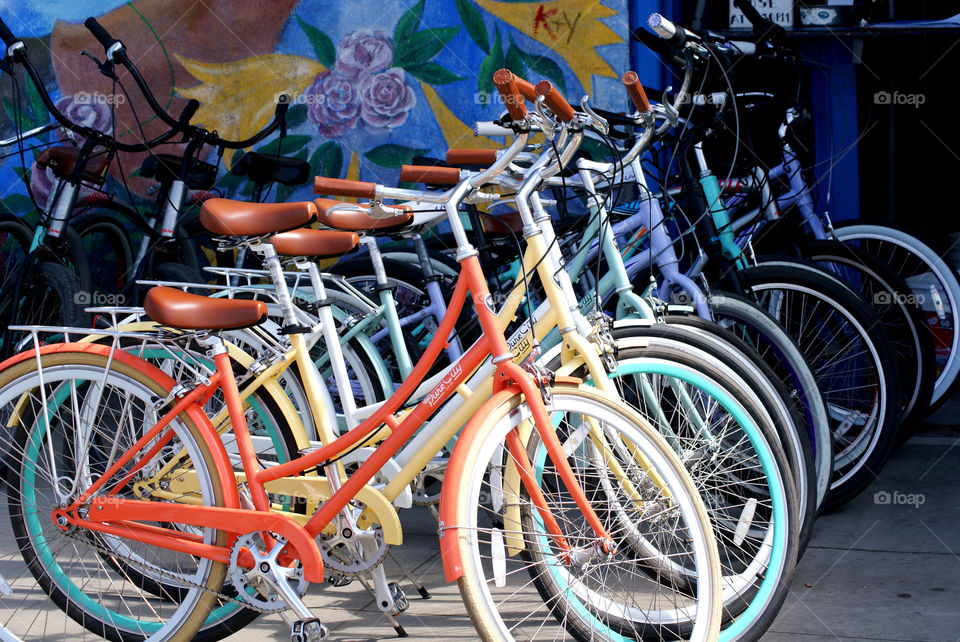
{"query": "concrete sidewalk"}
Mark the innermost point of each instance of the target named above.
(881, 568)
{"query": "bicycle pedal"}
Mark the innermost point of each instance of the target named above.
(400, 600)
(308, 630)
(339, 580)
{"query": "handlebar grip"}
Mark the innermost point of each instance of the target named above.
(6, 35)
(557, 103)
(490, 129)
(100, 33)
(662, 27)
(636, 92)
(343, 187)
(506, 84)
(526, 88)
(483, 157)
(188, 112)
(435, 175)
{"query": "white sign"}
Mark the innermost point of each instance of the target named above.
(778, 11)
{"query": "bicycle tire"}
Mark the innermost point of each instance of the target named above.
(566, 616)
(875, 399)
(912, 258)
(906, 326)
(133, 386)
(105, 239)
(747, 370)
(743, 320)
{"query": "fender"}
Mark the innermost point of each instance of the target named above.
(454, 479)
(221, 461)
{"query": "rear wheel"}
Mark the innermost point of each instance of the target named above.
(93, 410)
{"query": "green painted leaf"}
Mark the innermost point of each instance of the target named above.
(433, 74)
(38, 110)
(17, 203)
(290, 145)
(488, 66)
(421, 46)
(514, 61)
(393, 156)
(407, 25)
(597, 150)
(544, 68)
(473, 22)
(10, 111)
(327, 160)
(296, 116)
(323, 47)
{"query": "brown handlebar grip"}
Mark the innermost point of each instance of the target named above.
(636, 92)
(526, 88)
(506, 84)
(557, 103)
(343, 187)
(485, 157)
(435, 175)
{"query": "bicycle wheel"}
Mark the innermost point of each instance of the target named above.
(754, 385)
(106, 243)
(15, 238)
(934, 283)
(60, 442)
(848, 352)
(52, 297)
(731, 450)
(754, 328)
(906, 326)
(516, 584)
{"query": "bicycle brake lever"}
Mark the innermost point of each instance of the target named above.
(599, 122)
(546, 125)
(106, 67)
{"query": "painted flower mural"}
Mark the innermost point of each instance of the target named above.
(374, 84)
(361, 88)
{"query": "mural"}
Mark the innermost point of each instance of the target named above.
(372, 83)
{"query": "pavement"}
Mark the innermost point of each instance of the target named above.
(883, 567)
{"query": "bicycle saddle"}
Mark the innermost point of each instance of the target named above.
(166, 168)
(263, 168)
(356, 217)
(178, 309)
(314, 243)
(62, 159)
(238, 218)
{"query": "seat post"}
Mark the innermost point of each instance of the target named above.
(272, 263)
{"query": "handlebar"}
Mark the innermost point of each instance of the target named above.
(635, 90)
(116, 53)
(471, 156)
(344, 187)
(762, 27)
(555, 101)
(506, 84)
(6, 35)
(103, 37)
(426, 174)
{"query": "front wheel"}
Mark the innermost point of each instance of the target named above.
(518, 583)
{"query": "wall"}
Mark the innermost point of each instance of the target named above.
(374, 83)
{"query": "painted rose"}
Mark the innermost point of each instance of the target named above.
(333, 103)
(82, 110)
(364, 52)
(386, 99)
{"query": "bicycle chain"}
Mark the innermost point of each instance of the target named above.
(164, 573)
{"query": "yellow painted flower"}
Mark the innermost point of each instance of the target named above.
(572, 28)
(239, 98)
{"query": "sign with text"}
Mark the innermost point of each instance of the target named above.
(778, 11)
